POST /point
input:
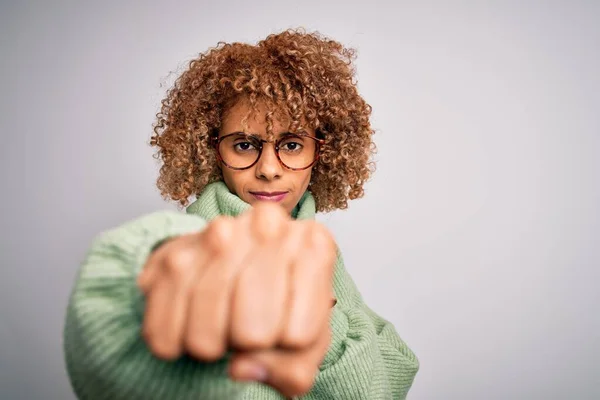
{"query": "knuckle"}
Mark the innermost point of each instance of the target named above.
(222, 228)
(320, 236)
(266, 207)
(177, 263)
(269, 221)
(321, 241)
(219, 233)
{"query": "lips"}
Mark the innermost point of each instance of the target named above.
(269, 196)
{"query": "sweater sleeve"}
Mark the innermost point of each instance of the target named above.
(366, 358)
(105, 355)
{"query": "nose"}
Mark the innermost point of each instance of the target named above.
(268, 166)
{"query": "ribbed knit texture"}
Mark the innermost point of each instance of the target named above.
(107, 358)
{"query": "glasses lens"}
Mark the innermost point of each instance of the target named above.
(239, 151)
(297, 151)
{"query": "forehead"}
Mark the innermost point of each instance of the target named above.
(243, 112)
(243, 116)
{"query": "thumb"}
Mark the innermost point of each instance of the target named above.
(292, 372)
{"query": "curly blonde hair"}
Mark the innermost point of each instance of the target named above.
(304, 75)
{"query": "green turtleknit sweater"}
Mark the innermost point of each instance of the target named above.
(106, 357)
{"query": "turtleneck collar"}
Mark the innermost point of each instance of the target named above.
(216, 199)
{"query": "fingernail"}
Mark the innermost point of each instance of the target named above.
(250, 371)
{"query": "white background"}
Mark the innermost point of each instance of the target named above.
(478, 234)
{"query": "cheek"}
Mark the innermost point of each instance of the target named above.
(304, 179)
(232, 179)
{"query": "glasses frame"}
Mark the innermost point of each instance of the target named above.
(319, 142)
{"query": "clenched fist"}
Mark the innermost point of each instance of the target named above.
(259, 284)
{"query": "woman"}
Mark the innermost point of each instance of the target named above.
(244, 295)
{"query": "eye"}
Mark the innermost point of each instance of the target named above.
(243, 146)
(292, 145)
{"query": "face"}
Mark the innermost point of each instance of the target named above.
(267, 180)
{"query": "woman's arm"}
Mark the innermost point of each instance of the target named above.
(105, 354)
(108, 359)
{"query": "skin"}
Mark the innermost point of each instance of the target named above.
(267, 175)
(259, 284)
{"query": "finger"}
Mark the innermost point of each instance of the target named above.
(260, 291)
(147, 276)
(312, 287)
(209, 312)
(258, 300)
(291, 372)
(166, 311)
(152, 268)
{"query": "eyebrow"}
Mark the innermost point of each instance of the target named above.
(258, 135)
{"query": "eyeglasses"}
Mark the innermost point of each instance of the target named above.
(295, 151)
